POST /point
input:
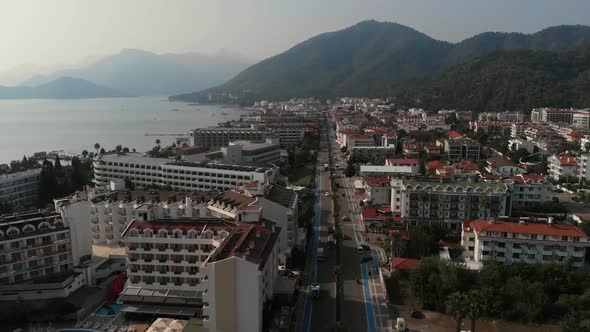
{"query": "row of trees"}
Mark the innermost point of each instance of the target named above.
(521, 292)
(57, 181)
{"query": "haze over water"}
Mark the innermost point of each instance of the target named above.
(28, 126)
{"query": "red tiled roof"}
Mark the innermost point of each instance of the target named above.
(527, 228)
(454, 134)
(361, 137)
(567, 160)
(467, 165)
(404, 161)
(435, 164)
(370, 213)
(398, 263)
(373, 181)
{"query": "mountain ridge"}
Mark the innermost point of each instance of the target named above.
(61, 88)
(365, 57)
(140, 72)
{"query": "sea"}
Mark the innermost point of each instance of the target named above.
(71, 126)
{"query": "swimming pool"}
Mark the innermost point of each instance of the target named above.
(109, 309)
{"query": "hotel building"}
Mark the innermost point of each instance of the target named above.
(19, 187)
(450, 202)
(533, 243)
(40, 255)
(180, 175)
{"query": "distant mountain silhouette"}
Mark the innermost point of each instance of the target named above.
(60, 88)
(364, 58)
(144, 73)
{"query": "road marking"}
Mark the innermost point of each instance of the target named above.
(370, 313)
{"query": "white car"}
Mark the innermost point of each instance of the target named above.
(327, 194)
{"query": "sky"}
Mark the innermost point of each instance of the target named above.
(43, 35)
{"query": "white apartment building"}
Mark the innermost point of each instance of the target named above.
(40, 256)
(216, 137)
(278, 205)
(521, 143)
(241, 276)
(241, 152)
(180, 175)
(108, 213)
(433, 201)
(164, 259)
(533, 243)
(19, 187)
(529, 189)
(562, 167)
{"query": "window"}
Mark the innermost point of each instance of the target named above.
(516, 255)
(500, 254)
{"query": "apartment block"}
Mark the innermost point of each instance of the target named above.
(562, 167)
(462, 148)
(216, 137)
(39, 253)
(530, 189)
(181, 175)
(532, 243)
(241, 276)
(164, 260)
(19, 187)
(425, 201)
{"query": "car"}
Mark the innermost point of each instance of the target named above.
(343, 194)
(360, 249)
(366, 247)
(315, 291)
(415, 313)
(327, 194)
(366, 258)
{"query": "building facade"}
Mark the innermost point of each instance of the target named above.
(39, 253)
(423, 202)
(216, 137)
(532, 243)
(19, 187)
(187, 176)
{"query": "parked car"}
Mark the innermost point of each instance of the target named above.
(415, 313)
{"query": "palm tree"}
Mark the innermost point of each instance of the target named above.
(96, 147)
(85, 154)
(157, 141)
(457, 306)
(476, 306)
(118, 148)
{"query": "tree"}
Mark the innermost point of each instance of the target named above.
(102, 151)
(456, 305)
(476, 306)
(96, 147)
(118, 148)
(85, 154)
(343, 149)
(350, 170)
(157, 141)
(125, 149)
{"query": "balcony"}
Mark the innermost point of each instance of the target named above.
(206, 310)
(205, 295)
(96, 236)
(95, 229)
(94, 220)
(578, 253)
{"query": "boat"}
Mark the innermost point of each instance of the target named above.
(175, 110)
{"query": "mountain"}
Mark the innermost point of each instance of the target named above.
(144, 73)
(60, 88)
(516, 80)
(364, 58)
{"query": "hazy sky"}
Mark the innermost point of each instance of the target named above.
(50, 32)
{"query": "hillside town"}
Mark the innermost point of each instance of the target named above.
(305, 209)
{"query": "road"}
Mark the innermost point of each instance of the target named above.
(364, 305)
(320, 314)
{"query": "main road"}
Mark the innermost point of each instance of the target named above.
(364, 304)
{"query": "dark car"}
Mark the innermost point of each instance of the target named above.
(415, 313)
(366, 258)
